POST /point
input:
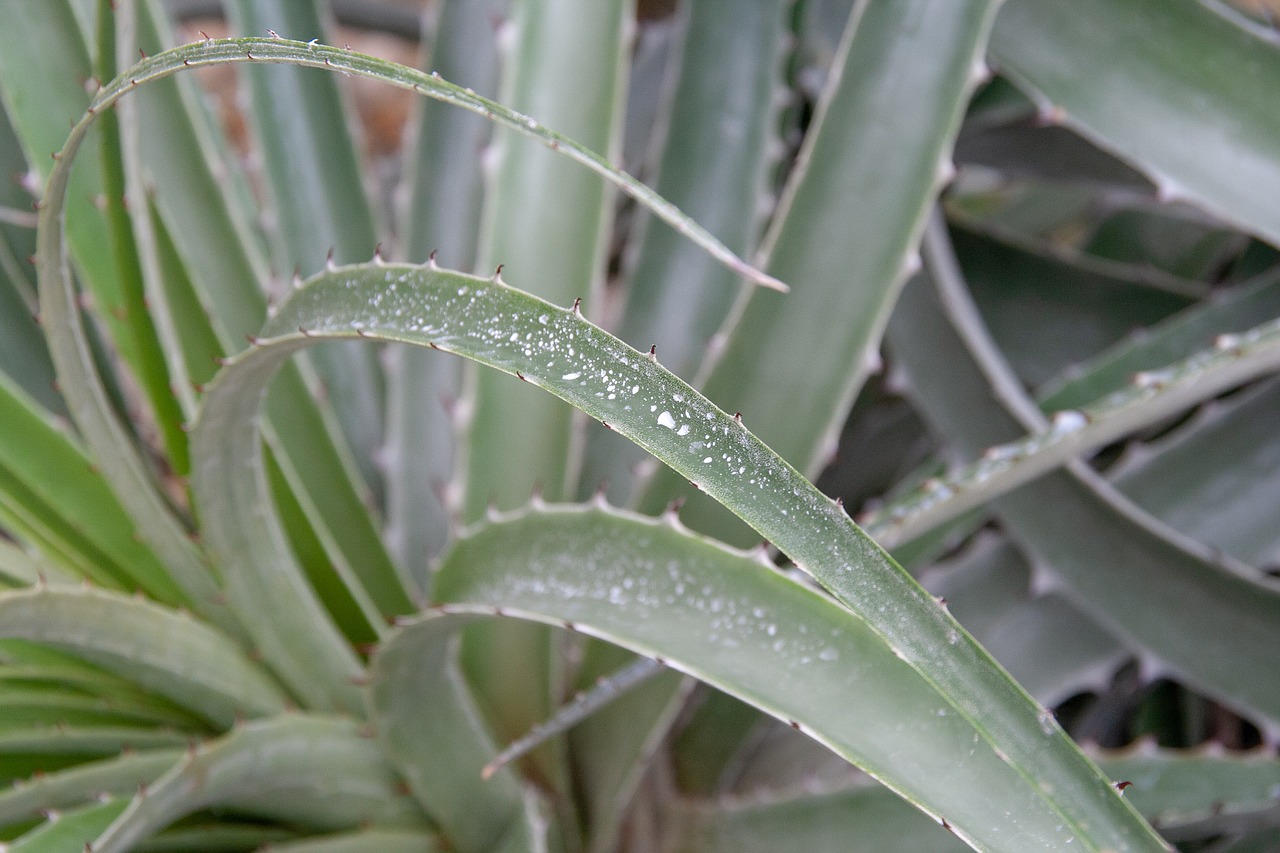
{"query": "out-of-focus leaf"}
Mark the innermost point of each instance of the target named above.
(1175, 788)
(70, 830)
(118, 776)
(1046, 314)
(311, 168)
(312, 771)
(1143, 581)
(846, 232)
(864, 820)
(23, 355)
(560, 258)
(1031, 150)
(1218, 479)
(1176, 94)
(165, 652)
(1177, 241)
(363, 840)
(716, 171)
(445, 190)
(1230, 311)
(67, 495)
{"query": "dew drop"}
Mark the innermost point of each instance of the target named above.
(569, 377)
(666, 420)
(684, 430)
(1069, 421)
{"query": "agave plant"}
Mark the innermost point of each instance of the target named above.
(282, 570)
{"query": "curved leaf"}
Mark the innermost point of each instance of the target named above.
(1143, 580)
(163, 651)
(312, 771)
(1149, 397)
(118, 776)
(1175, 91)
(557, 349)
(727, 619)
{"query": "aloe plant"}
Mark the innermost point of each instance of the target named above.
(281, 569)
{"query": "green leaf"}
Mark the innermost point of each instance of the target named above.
(71, 830)
(1138, 577)
(432, 731)
(1215, 479)
(1149, 398)
(445, 194)
(133, 246)
(311, 771)
(1230, 311)
(867, 819)
(220, 252)
(718, 171)
(23, 355)
(847, 228)
(1046, 313)
(1123, 77)
(561, 257)
(1179, 788)
(120, 777)
(43, 62)
(360, 841)
(557, 349)
(312, 172)
(163, 651)
(67, 491)
(727, 619)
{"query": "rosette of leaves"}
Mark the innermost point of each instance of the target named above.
(281, 569)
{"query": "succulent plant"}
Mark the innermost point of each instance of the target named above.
(281, 570)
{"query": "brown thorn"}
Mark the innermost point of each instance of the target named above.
(206, 35)
(653, 352)
(737, 417)
(377, 252)
(251, 339)
(249, 53)
(605, 424)
(946, 825)
(304, 332)
(142, 52)
(520, 376)
(577, 306)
